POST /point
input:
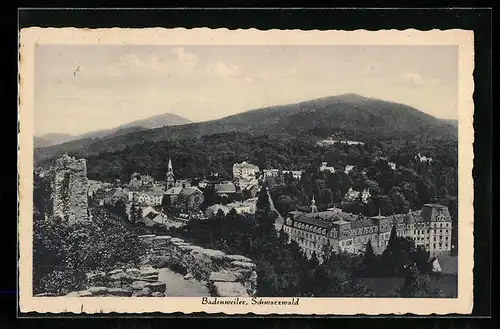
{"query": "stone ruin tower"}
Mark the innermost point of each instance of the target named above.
(70, 189)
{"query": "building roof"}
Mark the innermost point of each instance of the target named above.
(216, 207)
(174, 190)
(245, 165)
(398, 218)
(341, 222)
(155, 192)
(225, 188)
(152, 215)
(430, 212)
(409, 218)
(118, 193)
(345, 216)
(314, 221)
(449, 264)
(101, 194)
(237, 204)
(189, 191)
(185, 191)
(362, 223)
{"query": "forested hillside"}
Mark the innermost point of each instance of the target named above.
(349, 116)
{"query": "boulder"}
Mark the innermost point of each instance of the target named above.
(144, 292)
(73, 294)
(85, 293)
(223, 276)
(188, 276)
(195, 248)
(163, 237)
(118, 276)
(133, 271)
(157, 286)
(93, 275)
(185, 247)
(98, 290)
(148, 271)
(230, 289)
(157, 294)
(214, 254)
(138, 285)
(82, 293)
(120, 292)
(238, 258)
(248, 265)
(146, 236)
(116, 271)
(153, 277)
(45, 294)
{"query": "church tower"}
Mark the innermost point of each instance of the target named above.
(170, 176)
(313, 205)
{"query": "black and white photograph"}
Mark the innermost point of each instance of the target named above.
(263, 175)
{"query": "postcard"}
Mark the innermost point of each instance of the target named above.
(245, 171)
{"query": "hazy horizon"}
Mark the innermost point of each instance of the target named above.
(74, 84)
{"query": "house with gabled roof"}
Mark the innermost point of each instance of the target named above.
(188, 198)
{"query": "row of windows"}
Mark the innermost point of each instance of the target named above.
(364, 239)
(429, 231)
(306, 235)
(436, 246)
(309, 228)
(345, 235)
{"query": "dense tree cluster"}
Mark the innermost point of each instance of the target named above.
(284, 270)
(62, 254)
(411, 185)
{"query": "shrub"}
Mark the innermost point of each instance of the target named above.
(62, 282)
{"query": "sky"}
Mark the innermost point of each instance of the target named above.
(84, 88)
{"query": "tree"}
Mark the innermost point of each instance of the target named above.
(385, 205)
(118, 209)
(401, 206)
(220, 215)
(369, 260)
(133, 213)
(418, 285)
(62, 254)
(372, 186)
(326, 197)
(232, 214)
(210, 197)
(166, 203)
(263, 200)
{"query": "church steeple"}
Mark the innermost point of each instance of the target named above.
(313, 205)
(170, 175)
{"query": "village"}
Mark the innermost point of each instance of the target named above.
(173, 203)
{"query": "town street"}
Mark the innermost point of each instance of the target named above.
(279, 220)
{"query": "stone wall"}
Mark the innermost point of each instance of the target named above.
(70, 189)
(122, 282)
(225, 275)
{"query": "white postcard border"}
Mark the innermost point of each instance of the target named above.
(31, 37)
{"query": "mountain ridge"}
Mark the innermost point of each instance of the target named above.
(350, 115)
(156, 121)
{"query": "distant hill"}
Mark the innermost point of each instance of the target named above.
(350, 115)
(52, 139)
(452, 122)
(157, 121)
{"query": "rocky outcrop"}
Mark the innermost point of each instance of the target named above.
(225, 275)
(70, 185)
(123, 282)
